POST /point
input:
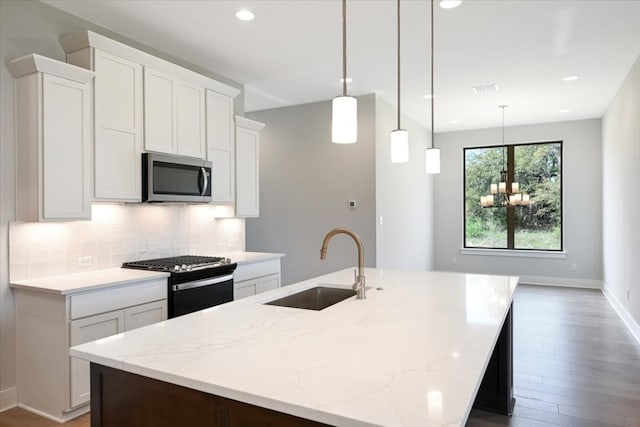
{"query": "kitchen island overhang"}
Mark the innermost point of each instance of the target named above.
(413, 353)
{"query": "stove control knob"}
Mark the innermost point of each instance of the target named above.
(189, 267)
(183, 267)
(176, 268)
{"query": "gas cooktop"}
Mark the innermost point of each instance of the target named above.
(179, 264)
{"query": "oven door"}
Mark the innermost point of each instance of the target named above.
(200, 294)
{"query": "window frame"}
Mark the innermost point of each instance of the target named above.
(511, 216)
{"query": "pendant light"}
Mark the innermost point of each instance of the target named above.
(344, 116)
(504, 193)
(399, 136)
(432, 155)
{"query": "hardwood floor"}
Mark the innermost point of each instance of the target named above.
(575, 364)
(18, 417)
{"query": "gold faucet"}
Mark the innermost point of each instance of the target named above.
(359, 284)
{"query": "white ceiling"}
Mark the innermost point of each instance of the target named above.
(291, 53)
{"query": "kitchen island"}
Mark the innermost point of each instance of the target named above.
(413, 353)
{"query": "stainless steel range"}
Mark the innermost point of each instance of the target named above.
(195, 282)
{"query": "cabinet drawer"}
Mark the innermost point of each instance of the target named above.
(258, 269)
(116, 298)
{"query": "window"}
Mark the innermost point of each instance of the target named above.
(537, 167)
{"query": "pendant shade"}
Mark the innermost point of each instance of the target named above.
(399, 146)
(344, 109)
(344, 120)
(432, 160)
(432, 155)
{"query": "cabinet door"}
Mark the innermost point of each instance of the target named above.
(145, 314)
(244, 289)
(220, 145)
(159, 112)
(118, 132)
(247, 174)
(85, 330)
(190, 120)
(66, 143)
(268, 283)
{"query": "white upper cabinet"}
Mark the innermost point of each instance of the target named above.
(118, 124)
(174, 115)
(190, 120)
(220, 147)
(53, 130)
(160, 133)
(247, 167)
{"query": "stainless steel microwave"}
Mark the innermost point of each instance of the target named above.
(169, 178)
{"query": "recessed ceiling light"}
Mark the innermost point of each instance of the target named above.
(245, 15)
(564, 110)
(570, 78)
(454, 122)
(349, 80)
(450, 4)
(428, 96)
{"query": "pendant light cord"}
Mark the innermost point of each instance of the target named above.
(344, 47)
(432, 94)
(504, 166)
(398, 64)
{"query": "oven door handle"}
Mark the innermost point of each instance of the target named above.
(203, 282)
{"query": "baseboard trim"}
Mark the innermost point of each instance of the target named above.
(629, 321)
(67, 416)
(561, 281)
(8, 398)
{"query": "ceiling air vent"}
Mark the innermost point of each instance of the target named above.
(485, 89)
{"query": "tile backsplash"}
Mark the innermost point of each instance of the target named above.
(118, 233)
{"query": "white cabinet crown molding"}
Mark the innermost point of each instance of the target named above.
(34, 63)
(249, 124)
(84, 39)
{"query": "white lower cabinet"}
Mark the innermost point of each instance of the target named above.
(255, 278)
(49, 380)
(104, 325)
(85, 330)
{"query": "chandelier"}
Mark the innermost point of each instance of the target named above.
(504, 193)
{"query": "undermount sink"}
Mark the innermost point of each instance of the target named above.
(317, 298)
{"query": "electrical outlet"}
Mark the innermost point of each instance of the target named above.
(85, 261)
(574, 267)
(380, 221)
(454, 261)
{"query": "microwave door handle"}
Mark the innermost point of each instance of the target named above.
(205, 180)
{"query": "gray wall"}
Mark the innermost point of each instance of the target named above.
(404, 196)
(28, 26)
(582, 187)
(305, 184)
(621, 201)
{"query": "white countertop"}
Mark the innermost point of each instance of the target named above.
(87, 281)
(251, 257)
(412, 354)
(95, 279)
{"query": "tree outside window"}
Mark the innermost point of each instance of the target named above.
(537, 167)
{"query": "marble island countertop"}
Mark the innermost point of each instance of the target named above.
(411, 354)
